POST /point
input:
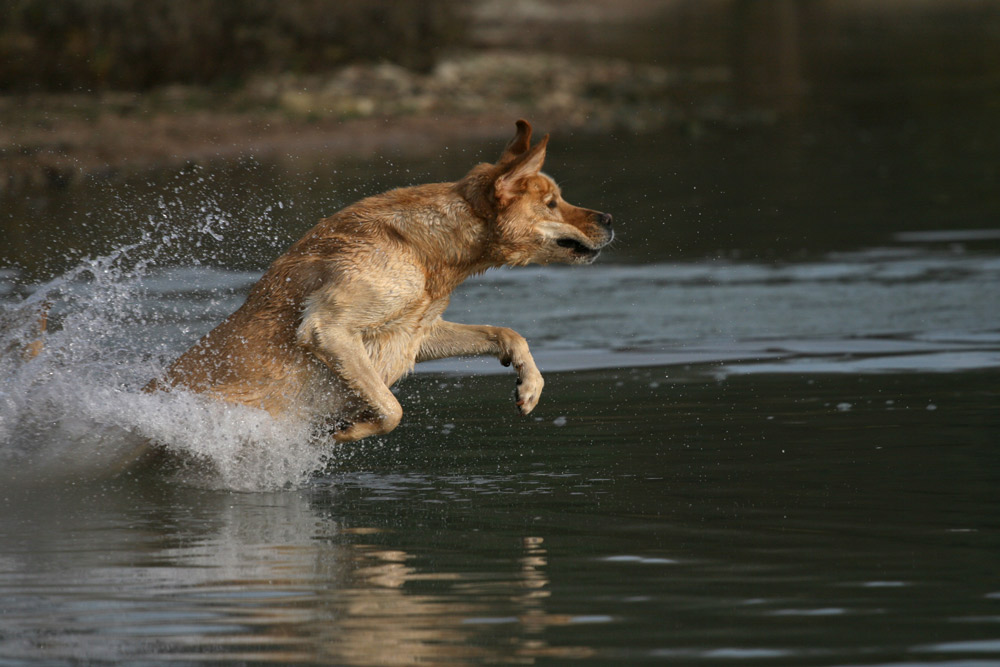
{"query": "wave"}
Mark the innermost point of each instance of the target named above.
(76, 410)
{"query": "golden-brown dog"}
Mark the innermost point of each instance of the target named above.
(354, 304)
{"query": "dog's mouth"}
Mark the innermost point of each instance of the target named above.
(577, 248)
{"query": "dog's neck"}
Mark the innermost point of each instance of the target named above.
(445, 231)
(507, 244)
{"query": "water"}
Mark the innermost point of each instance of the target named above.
(657, 516)
(767, 436)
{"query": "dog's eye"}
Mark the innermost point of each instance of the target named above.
(552, 203)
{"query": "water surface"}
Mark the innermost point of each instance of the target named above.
(768, 433)
(645, 515)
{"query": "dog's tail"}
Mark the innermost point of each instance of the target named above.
(24, 330)
(34, 348)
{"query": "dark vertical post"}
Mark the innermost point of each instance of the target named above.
(766, 56)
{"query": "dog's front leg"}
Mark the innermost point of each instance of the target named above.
(448, 339)
(346, 357)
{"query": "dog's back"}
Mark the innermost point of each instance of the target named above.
(377, 266)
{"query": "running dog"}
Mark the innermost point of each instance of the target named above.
(355, 303)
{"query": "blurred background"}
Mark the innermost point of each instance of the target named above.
(761, 128)
(770, 421)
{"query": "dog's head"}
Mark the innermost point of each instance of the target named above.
(534, 224)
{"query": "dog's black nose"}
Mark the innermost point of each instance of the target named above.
(606, 219)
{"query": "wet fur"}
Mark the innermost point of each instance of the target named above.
(354, 304)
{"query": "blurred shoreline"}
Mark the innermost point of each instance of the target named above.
(636, 66)
(51, 140)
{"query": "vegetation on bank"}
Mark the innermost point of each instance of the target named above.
(93, 45)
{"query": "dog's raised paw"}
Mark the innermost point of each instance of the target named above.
(529, 390)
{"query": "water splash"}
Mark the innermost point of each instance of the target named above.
(76, 410)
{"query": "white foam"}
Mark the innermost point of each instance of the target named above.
(77, 411)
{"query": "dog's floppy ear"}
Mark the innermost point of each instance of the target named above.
(528, 164)
(518, 145)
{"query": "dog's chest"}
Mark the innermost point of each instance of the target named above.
(393, 345)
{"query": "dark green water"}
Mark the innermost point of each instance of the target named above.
(650, 516)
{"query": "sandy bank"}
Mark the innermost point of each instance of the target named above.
(53, 140)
